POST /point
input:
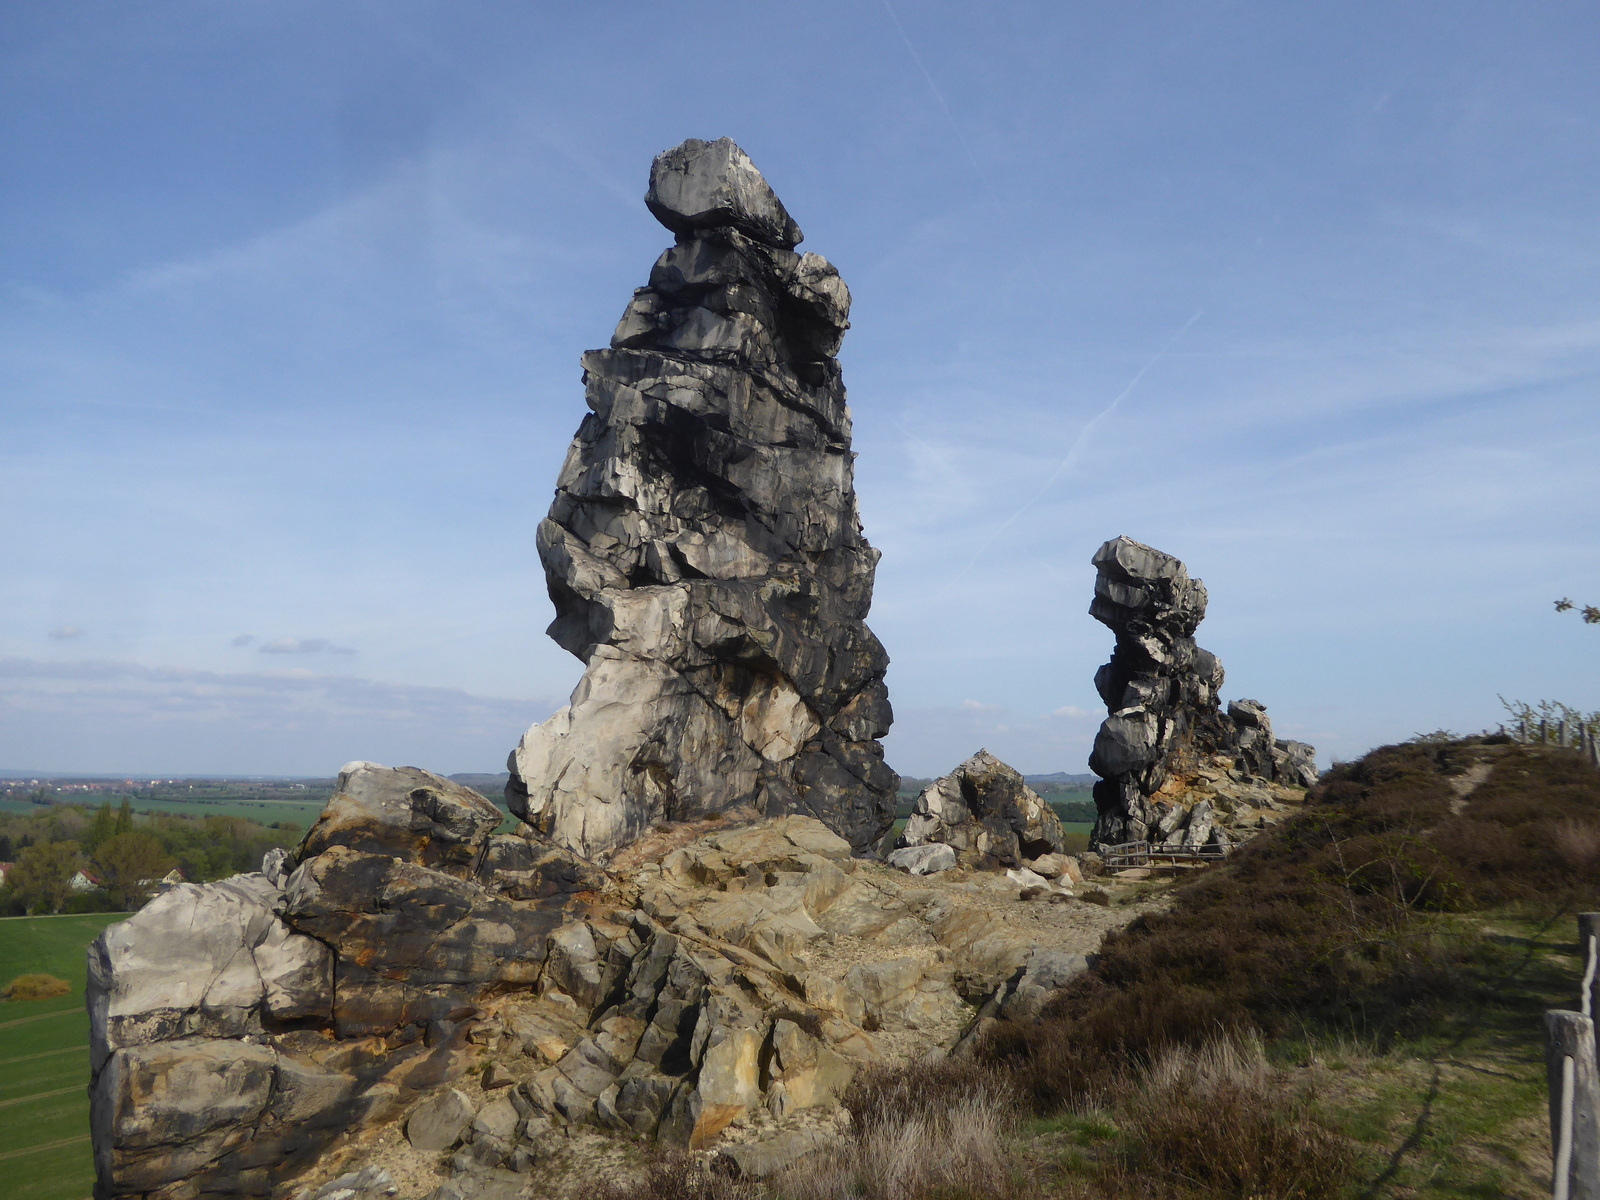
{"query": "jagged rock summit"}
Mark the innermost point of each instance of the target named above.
(1175, 768)
(704, 551)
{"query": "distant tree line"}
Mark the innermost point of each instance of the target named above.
(121, 855)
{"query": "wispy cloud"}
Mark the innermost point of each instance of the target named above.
(117, 716)
(299, 646)
(66, 633)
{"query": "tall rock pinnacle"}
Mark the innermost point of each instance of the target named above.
(1169, 758)
(704, 551)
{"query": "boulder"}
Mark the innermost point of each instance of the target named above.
(709, 185)
(986, 813)
(213, 960)
(405, 812)
(926, 859)
(704, 550)
(440, 1120)
(771, 1155)
(1061, 867)
(367, 1183)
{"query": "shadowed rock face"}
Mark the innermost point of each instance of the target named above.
(1167, 727)
(704, 551)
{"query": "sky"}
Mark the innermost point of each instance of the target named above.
(293, 292)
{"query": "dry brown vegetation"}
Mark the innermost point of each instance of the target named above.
(35, 987)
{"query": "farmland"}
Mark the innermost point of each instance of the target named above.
(44, 1053)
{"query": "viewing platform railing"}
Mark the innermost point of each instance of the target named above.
(1146, 854)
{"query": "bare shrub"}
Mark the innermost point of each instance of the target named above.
(1577, 843)
(681, 1176)
(35, 987)
(921, 1132)
(1217, 1121)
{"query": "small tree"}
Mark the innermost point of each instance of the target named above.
(1589, 612)
(130, 865)
(104, 828)
(42, 878)
(125, 817)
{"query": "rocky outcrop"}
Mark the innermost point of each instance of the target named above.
(986, 814)
(237, 1028)
(486, 997)
(1175, 768)
(704, 551)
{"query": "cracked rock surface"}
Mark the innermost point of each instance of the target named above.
(470, 1012)
(704, 550)
(1176, 770)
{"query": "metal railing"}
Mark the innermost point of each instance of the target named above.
(1574, 1079)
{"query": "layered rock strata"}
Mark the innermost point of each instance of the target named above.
(1176, 769)
(237, 1028)
(704, 551)
(409, 969)
(986, 814)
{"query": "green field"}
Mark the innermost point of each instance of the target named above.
(268, 812)
(44, 1061)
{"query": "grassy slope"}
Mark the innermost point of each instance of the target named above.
(44, 1061)
(1440, 1092)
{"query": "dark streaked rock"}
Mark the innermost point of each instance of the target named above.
(704, 551)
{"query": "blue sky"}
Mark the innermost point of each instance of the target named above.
(292, 297)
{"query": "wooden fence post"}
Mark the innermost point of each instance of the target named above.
(1574, 1105)
(1589, 949)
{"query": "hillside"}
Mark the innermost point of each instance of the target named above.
(1350, 1006)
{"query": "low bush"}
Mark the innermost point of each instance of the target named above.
(1219, 1121)
(924, 1132)
(35, 987)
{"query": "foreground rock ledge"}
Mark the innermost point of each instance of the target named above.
(704, 552)
(411, 972)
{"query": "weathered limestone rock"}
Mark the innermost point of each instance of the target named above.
(237, 1028)
(439, 1121)
(1175, 769)
(927, 859)
(704, 551)
(490, 1003)
(986, 813)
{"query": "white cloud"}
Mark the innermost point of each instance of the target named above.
(66, 633)
(1071, 710)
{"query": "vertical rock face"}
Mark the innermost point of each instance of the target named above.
(704, 551)
(1167, 730)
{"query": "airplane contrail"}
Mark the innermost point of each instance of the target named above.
(1073, 452)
